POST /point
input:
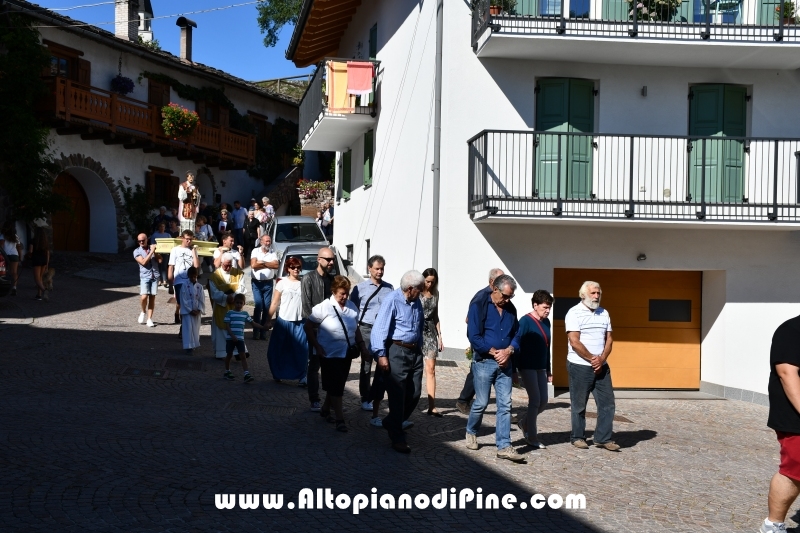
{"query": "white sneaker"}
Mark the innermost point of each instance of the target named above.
(408, 424)
(366, 406)
(150, 323)
(142, 318)
(376, 422)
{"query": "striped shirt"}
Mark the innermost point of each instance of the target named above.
(592, 325)
(237, 320)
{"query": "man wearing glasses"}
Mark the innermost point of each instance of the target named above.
(492, 328)
(146, 256)
(316, 287)
(181, 258)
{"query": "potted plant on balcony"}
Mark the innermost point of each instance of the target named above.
(121, 85)
(654, 10)
(788, 12)
(497, 7)
(178, 121)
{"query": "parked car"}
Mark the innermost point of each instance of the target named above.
(287, 231)
(307, 253)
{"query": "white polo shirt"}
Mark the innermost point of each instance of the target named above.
(592, 325)
(264, 274)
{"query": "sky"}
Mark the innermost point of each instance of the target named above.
(229, 40)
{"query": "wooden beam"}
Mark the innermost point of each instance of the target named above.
(151, 148)
(113, 138)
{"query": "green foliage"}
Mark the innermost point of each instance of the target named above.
(299, 156)
(788, 11)
(137, 211)
(273, 15)
(25, 159)
(178, 121)
(153, 45)
(655, 10)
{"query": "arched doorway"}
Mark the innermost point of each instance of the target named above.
(71, 228)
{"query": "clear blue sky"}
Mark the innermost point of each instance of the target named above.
(229, 40)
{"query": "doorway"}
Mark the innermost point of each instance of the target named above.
(564, 162)
(71, 228)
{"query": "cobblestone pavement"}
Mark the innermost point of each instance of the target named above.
(85, 447)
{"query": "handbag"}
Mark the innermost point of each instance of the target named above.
(352, 351)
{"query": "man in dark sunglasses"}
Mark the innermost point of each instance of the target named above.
(146, 256)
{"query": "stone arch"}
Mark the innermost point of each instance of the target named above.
(104, 198)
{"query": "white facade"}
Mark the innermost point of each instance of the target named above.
(748, 286)
(98, 166)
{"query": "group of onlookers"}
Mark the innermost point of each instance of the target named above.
(324, 220)
(38, 253)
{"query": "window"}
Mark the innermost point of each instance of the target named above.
(298, 232)
(67, 63)
(157, 93)
(262, 128)
(161, 187)
(350, 253)
(369, 156)
(346, 173)
(373, 42)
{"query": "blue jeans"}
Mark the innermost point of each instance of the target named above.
(262, 295)
(486, 373)
(582, 381)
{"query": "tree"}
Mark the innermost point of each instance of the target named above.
(26, 164)
(273, 15)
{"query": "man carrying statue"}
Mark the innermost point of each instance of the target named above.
(223, 284)
(189, 198)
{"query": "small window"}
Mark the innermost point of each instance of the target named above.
(346, 173)
(670, 311)
(157, 93)
(562, 305)
(161, 187)
(350, 253)
(261, 127)
(369, 156)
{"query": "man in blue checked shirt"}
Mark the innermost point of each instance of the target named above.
(368, 296)
(396, 344)
(492, 329)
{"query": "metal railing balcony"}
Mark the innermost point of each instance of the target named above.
(633, 177)
(353, 114)
(752, 21)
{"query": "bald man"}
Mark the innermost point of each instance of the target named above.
(146, 256)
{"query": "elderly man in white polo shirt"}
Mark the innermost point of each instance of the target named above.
(589, 333)
(263, 265)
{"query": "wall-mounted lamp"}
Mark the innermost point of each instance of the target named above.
(644, 90)
(641, 257)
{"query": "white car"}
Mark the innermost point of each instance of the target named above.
(286, 231)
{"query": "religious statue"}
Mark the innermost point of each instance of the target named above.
(189, 198)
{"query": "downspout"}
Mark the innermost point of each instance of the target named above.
(437, 132)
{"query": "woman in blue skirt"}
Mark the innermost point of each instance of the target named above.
(288, 347)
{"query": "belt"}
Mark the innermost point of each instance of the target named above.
(406, 345)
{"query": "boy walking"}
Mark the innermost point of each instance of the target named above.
(235, 320)
(193, 304)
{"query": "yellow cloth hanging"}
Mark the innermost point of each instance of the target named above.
(338, 99)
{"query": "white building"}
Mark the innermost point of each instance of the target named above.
(101, 138)
(659, 158)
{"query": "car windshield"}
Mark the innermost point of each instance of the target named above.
(309, 263)
(299, 232)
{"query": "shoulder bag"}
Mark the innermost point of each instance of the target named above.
(352, 351)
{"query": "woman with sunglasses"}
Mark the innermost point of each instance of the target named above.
(288, 348)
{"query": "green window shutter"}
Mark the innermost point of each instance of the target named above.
(373, 42)
(369, 155)
(346, 175)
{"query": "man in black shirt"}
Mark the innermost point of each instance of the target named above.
(784, 418)
(314, 289)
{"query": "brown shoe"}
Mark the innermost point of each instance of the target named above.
(610, 446)
(463, 407)
(401, 447)
(580, 444)
(510, 454)
(472, 442)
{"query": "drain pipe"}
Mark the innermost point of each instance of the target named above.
(437, 133)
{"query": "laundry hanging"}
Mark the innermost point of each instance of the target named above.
(338, 99)
(359, 77)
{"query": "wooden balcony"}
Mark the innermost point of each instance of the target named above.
(97, 114)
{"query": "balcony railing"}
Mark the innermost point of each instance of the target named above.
(754, 21)
(92, 107)
(320, 99)
(634, 177)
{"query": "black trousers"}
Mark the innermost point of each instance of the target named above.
(312, 378)
(403, 386)
(468, 392)
(366, 366)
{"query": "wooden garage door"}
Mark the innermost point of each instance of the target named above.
(71, 228)
(655, 317)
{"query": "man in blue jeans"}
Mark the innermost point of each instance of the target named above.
(492, 328)
(263, 262)
(589, 333)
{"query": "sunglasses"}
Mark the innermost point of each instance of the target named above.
(326, 258)
(292, 268)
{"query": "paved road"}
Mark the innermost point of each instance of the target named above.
(85, 447)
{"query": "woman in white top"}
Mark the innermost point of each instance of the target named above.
(288, 348)
(332, 328)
